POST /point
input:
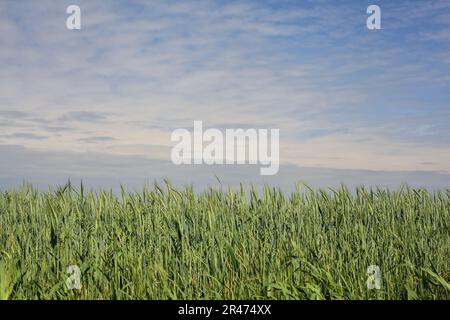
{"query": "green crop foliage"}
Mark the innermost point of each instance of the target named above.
(168, 243)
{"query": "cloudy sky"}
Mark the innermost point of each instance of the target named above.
(353, 105)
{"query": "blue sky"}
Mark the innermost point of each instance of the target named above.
(344, 97)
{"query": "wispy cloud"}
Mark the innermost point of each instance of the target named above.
(110, 171)
(23, 136)
(342, 96)
(96, 139)
(83, 116)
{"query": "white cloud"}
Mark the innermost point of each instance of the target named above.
(158, 66)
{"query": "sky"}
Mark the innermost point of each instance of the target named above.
(353, 105)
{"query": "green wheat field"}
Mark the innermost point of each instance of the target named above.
(169, 243)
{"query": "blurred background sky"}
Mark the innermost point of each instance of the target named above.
(353, 105)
